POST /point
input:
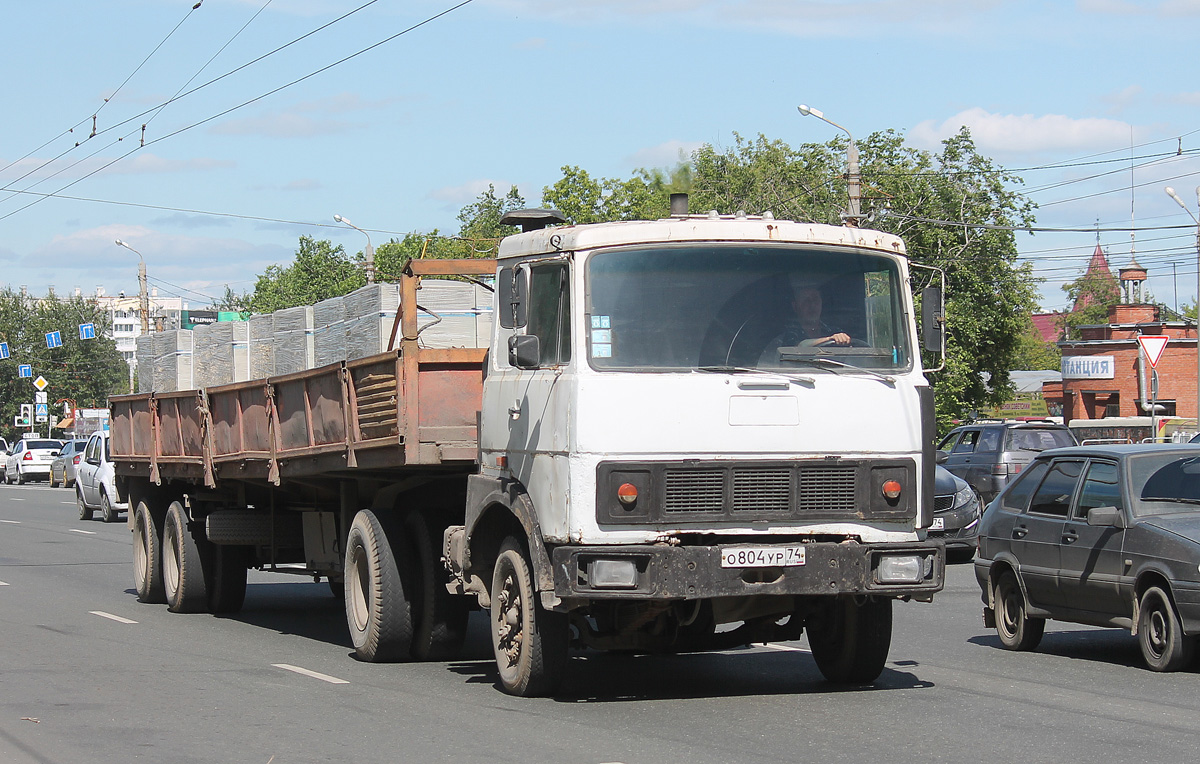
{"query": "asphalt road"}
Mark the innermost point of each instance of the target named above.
(88, 674)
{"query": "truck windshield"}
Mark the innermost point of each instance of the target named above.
(722, 306)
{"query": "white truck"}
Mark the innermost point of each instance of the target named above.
(646, 457)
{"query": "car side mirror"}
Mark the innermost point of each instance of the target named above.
(942, 457)
(1105, 517)
(524, 351)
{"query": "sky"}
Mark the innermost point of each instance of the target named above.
(265, 118)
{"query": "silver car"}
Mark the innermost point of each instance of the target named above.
(95, 484)
(66, 463)
(30, 459)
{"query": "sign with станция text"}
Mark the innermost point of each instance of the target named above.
(1089, 367)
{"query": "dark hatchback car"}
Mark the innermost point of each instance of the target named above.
(990, 454)
(956, 511)
(1099, 535)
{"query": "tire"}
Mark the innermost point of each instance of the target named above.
(1017, 631)
(530, 643)
(53, 484)
(1160, 633)
(183, 569)
(85, 512)
(147, 555)
(378, 612)
(20, 476)
(225, 580)
(850, 639)
(107, 513)
(439, 617)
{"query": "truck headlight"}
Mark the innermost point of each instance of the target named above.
(900, 569)
(612, 574)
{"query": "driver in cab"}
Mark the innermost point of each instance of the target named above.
(807, 328)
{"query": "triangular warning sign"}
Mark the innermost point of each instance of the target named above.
(1153, 344)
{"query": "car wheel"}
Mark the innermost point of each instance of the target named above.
(20, 477)
(1017, 631)
(52, 483)
(85, 513)
(1160, 633)
(107, 512)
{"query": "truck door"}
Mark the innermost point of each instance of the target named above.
(525, 407)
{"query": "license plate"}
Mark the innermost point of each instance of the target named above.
(762, 556)
(939, 524)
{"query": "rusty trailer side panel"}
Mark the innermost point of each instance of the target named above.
(408, 406)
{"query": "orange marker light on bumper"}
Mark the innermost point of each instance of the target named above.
(891, 490)
(627, 493)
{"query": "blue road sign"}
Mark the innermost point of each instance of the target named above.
(41, 409)
(3, 351)
(24, 370)
(53, 340)
(87, 331)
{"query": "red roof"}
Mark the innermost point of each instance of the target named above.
(1097, 266)
(1046, 325)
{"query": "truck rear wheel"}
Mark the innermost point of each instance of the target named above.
(225, 583)
(183, 570)
(378, 611)
(440, 617)
(530, 643)
(850, 638)
(147, 554)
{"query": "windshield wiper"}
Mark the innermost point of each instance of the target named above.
(747, 370)
(829, 362)
(1174, 499)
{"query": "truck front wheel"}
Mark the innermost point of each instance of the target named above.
(378, 611)
(183, 570)
(530, 642)
(850, 638)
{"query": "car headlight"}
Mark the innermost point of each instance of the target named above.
(964, 497)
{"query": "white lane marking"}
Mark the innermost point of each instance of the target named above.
(3, 583)
(313, 674)
(110, 616)
(68, 502)
(789, 648)
(76, 530)
(15, 498)
(11, 522)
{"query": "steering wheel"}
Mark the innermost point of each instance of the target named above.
(854, 343)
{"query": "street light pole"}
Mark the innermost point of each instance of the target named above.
(143, 294)
(369, 252)
(853, 178)
(1171, 193)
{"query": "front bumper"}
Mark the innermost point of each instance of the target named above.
(694, 572)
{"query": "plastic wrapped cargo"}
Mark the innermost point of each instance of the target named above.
(173, 360)
(294, 349)
(370, 313)
(144, 354)
(453, 314)
(262, 346)
(222, 353)
(329, 331)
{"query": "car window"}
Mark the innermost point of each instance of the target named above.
(967, 444)
(1037, 439)
(1100, 489)
(1053, 496)
(92, 449)
(1016, 498)
(989, 440)
(1174, 487)
(948, 441)
(107, 451)
(41, 444)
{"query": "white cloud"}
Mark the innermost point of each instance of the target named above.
(1167, 8)
(469, 191)
(1022, 133)
(1122, 99)
(283, 125)
(665, 154)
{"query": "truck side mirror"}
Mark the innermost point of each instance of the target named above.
(524, 351)
(933, 319)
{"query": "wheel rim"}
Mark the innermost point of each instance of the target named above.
(509, 619)
(360, 585)
(141, 554)
(1158, 632)
(171, 567)
(1010, 611)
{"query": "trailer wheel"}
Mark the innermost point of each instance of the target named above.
(183, 570)
(378, 611)
(147, 555)
(850, 639)
(85, 512)
(225, 582)
(440, 617)
(530, 643)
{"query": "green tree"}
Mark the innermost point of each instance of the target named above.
(86, 372)
(1035, 354)
(232, 301)
(320, 271)
(1091, 295)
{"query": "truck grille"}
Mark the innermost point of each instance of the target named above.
(803, 490)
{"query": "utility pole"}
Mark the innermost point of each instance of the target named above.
(369, 252)
(1171, 193)
(143, 293)
(853, 177)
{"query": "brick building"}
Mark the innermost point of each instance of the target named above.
(1105, 373)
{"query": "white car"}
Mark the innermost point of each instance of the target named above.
(95, 482)
(30, 459)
